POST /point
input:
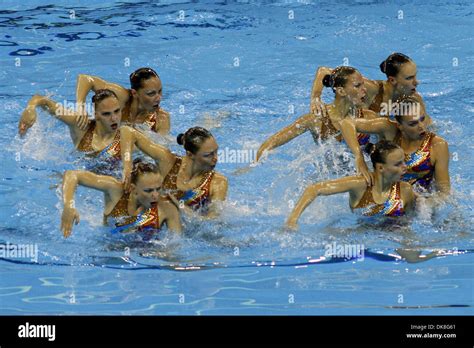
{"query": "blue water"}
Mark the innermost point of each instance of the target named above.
(244, 70)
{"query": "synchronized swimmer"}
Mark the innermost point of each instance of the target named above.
(100, 139)
(406, 160)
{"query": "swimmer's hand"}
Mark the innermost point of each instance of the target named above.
(246, 169)
(291, 225)
(28, 119)
(363, 170)
(317, 107)
(82, 120)
(262, 152)
(70, 216)
(127, 182)
(180, 205)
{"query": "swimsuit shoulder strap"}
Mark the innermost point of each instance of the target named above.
(366, 199)
(169, 182)
(86, 142)
(327, 128)
(121, 208)
(426, 145)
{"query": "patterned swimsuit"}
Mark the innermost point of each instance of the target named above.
(392, 207)
(420, 170)
(196, 198)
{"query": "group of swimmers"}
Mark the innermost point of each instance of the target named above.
(407, 159)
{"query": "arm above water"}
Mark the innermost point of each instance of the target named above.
(67, 116)
(350, 184)
(130, 137)
(441, 174)
(85, 84)
(73, 178)
(300, 126)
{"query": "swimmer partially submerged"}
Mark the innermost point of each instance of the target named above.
(190, 179)
(426, 154)
(141, 104)
(102, 136)
(143, 209)
(401, 81)
(350, 95)
(388, 196)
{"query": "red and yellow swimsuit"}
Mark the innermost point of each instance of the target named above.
(146, 223)
(111, 151)
(151, 119)
(392, 207)
(328, 129)
(196, 198)
(420, 170)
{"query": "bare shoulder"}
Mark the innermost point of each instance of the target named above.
(406, 189)
(164, 113)
(219, 187)
(372, 85)
(438, 141)
(219, 179)
(357, 182)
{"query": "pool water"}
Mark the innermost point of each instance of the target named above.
(244, 70)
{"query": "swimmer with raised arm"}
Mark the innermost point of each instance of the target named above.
(350, 95)
(141, 103)
(401, 81)
(142, 210)
(388, 197)
(426, 154)
(101, 139)
(190, 179)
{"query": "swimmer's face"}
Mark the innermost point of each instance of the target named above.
(405, 82)
(147, 189)
(206, 156)
(354, 90)
(394, 166)
(413, 127)
(109, 113)
(150, 93)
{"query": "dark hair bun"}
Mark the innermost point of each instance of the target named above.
(327, 80)
(369, 148)
(180, 139)
(383, 66)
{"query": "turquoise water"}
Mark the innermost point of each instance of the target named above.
(244, 70)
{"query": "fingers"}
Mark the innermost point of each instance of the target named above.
(127, 183)
(173, 200)
(292, 226)
(83, 122)
(368, 178)
(242, 170)
(22, 127)
(66, 232)
(66, 227)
